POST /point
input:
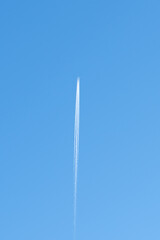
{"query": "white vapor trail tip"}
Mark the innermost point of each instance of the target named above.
(76, 148)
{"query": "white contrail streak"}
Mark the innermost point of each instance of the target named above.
(76, 148)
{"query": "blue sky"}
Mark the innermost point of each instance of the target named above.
(113, 46)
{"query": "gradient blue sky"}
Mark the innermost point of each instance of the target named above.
(114, 47)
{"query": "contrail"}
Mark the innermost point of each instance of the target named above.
(76, 148)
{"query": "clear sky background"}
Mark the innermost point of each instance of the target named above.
(114, 47)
